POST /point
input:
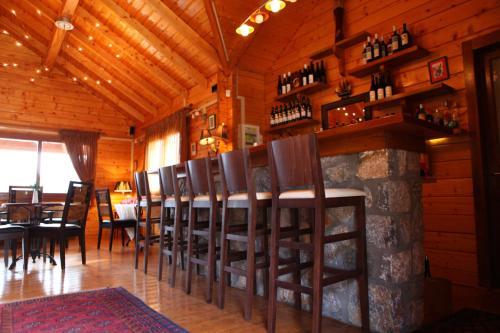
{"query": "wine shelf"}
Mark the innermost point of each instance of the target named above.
(426, 92)
(410, 54)
(305, 90)
(295, 124)
(340, 46)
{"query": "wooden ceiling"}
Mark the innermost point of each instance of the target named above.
(138, 55)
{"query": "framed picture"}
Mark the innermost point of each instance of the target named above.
(211, 122)
(438, 70)
(193, 148)
(249, 135)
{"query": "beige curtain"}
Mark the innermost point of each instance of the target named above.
(166, 142)
(82, 149)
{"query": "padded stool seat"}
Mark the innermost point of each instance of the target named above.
(329, 193)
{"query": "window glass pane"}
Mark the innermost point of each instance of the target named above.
(56, 169)
(18, 163)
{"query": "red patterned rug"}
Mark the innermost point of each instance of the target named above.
(111, 310)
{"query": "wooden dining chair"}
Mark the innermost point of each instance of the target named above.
(107, 219)
(11, 234)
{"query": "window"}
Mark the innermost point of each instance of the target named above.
(28, 162)
(163, 152)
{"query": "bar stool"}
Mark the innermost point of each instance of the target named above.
(147, 201)
(295, 163)
(202, 195)
(239, 192)
(171, 199)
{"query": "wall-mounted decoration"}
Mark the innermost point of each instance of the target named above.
(438, 70)
(193, 149)
(249, 135)
(211, 122)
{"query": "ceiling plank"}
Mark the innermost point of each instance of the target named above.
(176, 59)
(68, 9)
(218, 35)
(184, 29)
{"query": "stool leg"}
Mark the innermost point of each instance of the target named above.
(362, 265)
(190, 249)
(13, 247)
(223, 255)
(273, 270)
(265, 245)
(123, 237)
(252, 223)
(137, 244)
(147, 238)
(296, 255)
(176, 243)
(6, 252)
(162, 240)
(99, 236)
(111, 234)
(318, 266)
(211, 251)
(26, 249)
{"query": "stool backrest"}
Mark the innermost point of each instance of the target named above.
(169, 184)
(295, 163)
(233, 171)
(199, 177)
(142, 186)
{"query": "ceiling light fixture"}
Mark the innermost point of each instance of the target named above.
(26, 36)
(275, 5)
(98, 82)
(74, 78)
(85, 78)
(5, 32)
(97, 25)
(39, 12)
(245, 30)
(13, 12)
(32, 79)
(14, 65)
(64, 23)
(80, 49)
(38, 71)
(18, 43)
(259, 15)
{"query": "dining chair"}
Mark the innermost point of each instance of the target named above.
(11, 234)
(106, 218)
(72, 223)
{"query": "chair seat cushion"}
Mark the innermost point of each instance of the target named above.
(184, 198)
(8, 228)
(244, 196)
(329, 193)
(155, 201)
(206, 197)
(58, 225)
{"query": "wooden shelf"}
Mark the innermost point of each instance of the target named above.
(342, 45)
(296, 124)
(410, 54)
(423, 93)
(305, 90)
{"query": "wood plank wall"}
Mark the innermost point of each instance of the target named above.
(440, 26)
(54, 102)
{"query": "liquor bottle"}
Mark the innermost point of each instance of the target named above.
(373, 90)
(363, 56)
(279, 85)
(304, 75)
(369, 50)
(421, 114)
(308, 109)
(438, 117)
(381, 87)
(383, 47)
(389, 46)
(311, 73)
(376, 48)
(271, 118)
(388, 85)
(303, 113)
(283, 85)
(405, 37)
(323, 71)
(297, 109)
(289, 83)
(396, 40)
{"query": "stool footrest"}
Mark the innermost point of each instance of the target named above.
(296, 245)
(338, 275)
(198, 261)
(288, 232)
(294, 267)
(201, 233)
(342, 237)
(234, 270)
(294, 287)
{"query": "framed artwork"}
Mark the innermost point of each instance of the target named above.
(249, 135)
(193, 148)
(438, 69)
(211, 122)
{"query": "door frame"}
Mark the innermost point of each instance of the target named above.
(472, 50)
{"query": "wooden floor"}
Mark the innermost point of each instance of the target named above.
(115, 269)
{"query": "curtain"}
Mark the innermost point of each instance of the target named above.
(82, 149)
(166, 142)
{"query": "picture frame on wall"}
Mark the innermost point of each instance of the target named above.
(249, 135)
(212, 122)
(193, 148)
(438, 70)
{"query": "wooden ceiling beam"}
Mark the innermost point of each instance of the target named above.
(67, 10)
(178, 24)
(218, 35)
(177, 60)
(87, 64)
(38, 46)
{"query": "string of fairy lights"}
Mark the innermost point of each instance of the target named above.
(39, 70)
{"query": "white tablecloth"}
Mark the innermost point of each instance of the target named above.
(126, 212)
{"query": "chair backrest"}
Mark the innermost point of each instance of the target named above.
(77, 203)
(23, 193)
(236, 174)
(199, 176)
(142, 186)
(295, 163)
(104, 207)
(169, 182)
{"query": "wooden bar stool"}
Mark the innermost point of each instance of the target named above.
(202, 195)
(239, 192)
(144, 201)
(171, 199)
(297, 182)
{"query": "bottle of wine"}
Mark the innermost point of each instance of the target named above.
(283, 85)
(279, 115)
(363, 55)
(405, 37)
(303, 113)
(309, 108)
(396, 40)
(383, 47)
(369, 50)
(373, 90)
(376, 48)
(305, 76)
(388, 85)
(297, 109)
(289, 83)
(323, 71)
(389, 46)
(381, 87)
(311, 73)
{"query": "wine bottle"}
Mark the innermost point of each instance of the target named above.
(304, 76)
(396, 40)
(289, 83)
(405, 37)
(323, 71)
(373, 90)
(363, 56)
(283, 85)
(297, 109)
(383, 47)
(279, 85)
(389, 46)
(381, 87)
(388, 85)
(311, 73)
(369, 50)
(303, 113)
(376, 48)
(309, 109)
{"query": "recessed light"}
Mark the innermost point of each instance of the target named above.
(97, 25)
(74, 78)
(5, 32)
(118, 56)
(26, 36)
(5, 64)
(38, 71)
(32, 79)
(46, 69)
(14, 65)
(19, 43)
(85, 78)
(13, 12)
(91, 38)
(110, 45)
(98, 82)
(80, 49)
(109, 81)
(39, 12)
